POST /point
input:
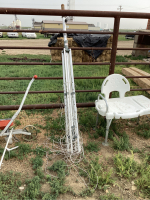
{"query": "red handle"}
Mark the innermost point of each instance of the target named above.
(35, 76)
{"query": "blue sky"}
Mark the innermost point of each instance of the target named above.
(101, 5)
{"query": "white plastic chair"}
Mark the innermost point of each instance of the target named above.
(122, 107)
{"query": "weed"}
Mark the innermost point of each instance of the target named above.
(17, 123)
(83, 173)
(87, 119)
(59, 167)
(122, 143)
(104, 177)
(39, 172)
(143, 183)
(126, 167)
(144, 133)
(10, 183)
(98, 174)
(32, 190)
(92, 146)
(143, 130)
(109, 197)
(48, 196)
(87, 192)
(22, 150)
(40, 151)
(57, 184)
(37, 162)
(13, 154)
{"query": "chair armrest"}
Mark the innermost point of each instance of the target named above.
(104, 100)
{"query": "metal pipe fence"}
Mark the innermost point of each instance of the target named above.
(53, 12)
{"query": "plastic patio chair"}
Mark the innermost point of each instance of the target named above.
(122, 107)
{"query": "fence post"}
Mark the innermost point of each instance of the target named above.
(114, 45)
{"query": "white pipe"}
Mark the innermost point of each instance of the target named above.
(64, 84)
(20, 107)
(74, 103)
(10, 135)
(68, 99)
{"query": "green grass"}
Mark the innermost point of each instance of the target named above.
(140, 57)
(42, 85)
(122, 38)
(45, 85)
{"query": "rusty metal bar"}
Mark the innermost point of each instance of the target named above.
(134, 33)
(75, 31)
(60, 78)
(114, 45)
(44, 106)
(77, 91)
(73, 48)
(122, 48)
(83, 63)
(56, 48)
(56, 31)
(50, 78)
(36, 92)
(48, 63)
(132, 63)
(79, 13)
(52, 106)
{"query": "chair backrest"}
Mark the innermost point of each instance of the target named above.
(115, 82)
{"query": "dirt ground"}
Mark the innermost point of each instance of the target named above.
(44, 43)
(125, 44)
(121, 187)
(26, 43)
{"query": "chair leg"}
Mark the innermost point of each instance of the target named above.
(108, 123)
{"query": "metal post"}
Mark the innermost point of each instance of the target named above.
(114, 45)
(108, 122)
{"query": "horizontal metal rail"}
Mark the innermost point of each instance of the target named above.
(61, 91)
(60, 78)
(73, 48)
(56, 31)
(55, 48)
(50, 63)
(74, 31)
(83, 63)
(132, 63)
(53, 12)
(50, 78)
(44, 106)
(79, 13)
